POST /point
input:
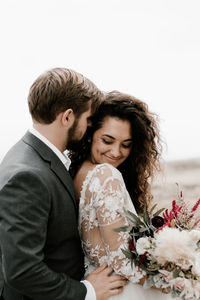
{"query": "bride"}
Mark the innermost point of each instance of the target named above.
(112, 170)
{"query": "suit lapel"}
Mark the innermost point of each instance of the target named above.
(59, 169)
(55, 163)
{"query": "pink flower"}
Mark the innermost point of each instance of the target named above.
(180, 283)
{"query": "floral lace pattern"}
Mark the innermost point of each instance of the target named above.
(103, 200)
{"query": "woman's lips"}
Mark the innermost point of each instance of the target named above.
(112, 158)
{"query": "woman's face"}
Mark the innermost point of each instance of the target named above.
(112, 143)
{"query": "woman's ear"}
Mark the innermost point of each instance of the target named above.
(68, 117)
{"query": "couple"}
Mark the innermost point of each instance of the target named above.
(41, 253)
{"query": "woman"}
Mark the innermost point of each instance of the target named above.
(112, 172)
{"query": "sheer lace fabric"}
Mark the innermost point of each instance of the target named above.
(103, 200)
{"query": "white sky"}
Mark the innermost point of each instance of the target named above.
(148, 48)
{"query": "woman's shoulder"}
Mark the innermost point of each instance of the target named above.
(91, 174)
(104, 168)
(102, 172)
(89, 171)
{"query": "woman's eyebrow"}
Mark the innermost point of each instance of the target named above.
(111, 137)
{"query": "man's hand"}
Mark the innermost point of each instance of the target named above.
(105, 285)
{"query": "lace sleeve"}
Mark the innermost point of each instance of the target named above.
(109, 198)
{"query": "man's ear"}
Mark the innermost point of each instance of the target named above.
(68, 117)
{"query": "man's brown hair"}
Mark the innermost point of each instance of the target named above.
(58, 90)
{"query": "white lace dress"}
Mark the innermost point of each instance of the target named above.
(102, 202)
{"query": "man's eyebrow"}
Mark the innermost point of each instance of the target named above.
(111, 137)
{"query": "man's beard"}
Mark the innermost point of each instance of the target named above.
(73, 143)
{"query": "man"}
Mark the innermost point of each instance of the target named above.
(41, 255)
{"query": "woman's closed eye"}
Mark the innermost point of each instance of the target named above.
(126, 146)
(109, 142)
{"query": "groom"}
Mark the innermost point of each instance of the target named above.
(41, 255)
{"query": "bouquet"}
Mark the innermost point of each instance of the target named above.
(167, 248)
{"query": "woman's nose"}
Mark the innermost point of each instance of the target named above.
(115, 151)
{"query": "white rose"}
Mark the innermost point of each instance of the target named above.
(195, 235)
(196, 265)
(142, 245)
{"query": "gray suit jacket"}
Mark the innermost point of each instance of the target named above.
(41, 255)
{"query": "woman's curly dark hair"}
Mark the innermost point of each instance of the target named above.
(139, 168)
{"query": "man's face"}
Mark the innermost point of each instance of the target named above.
(77, 131)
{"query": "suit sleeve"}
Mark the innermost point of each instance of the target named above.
(25, 206)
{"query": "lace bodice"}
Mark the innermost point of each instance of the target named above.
(102, 202)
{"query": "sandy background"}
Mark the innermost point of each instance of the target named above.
(184, 172)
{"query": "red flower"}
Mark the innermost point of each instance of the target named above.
(157, 221)
(142, 258)
(196, 205)
(131, 246)
(173, 214)
(166, 224)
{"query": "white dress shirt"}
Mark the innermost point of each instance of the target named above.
(62, 156)
(91, 295)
